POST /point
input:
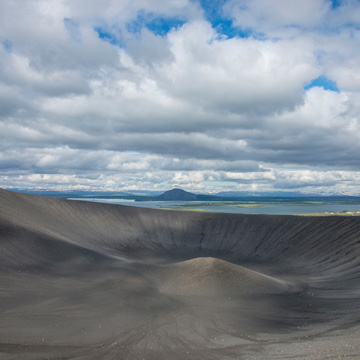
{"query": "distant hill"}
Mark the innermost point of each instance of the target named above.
(242, 194)
(279, 194)
(182, 195)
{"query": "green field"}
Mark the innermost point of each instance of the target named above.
(182, 209)
(242, 205)
(354, 213)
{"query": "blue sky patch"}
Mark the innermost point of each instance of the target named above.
(7, 44)
(324, 82)
(108, 36)
(161, 26)
(226, 28)
(157, 24)
(336, 3)
(213, 11)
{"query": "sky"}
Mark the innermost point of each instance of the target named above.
(205, 95)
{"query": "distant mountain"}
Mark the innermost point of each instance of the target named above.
(182, 195)
(177, 194)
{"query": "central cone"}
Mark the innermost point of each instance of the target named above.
(212, 276)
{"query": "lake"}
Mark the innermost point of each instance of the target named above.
(275, 206)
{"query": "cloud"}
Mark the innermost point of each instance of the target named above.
(203, 95)
(265, 16)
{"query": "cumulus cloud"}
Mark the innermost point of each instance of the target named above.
(268, 17)
(147, 94)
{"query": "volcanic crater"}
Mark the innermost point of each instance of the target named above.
(81, 280)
